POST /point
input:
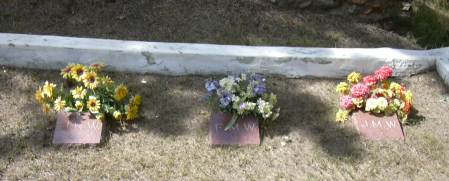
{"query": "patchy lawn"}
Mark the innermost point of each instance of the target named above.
(244, 22)
(170, 140)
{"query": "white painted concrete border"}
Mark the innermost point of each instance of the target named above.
(55, 52)
(443, 69)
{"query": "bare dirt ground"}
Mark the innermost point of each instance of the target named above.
(170, 140)
(245, 22)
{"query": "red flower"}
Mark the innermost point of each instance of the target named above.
(370, 80)
(384, 73)
(360, 90)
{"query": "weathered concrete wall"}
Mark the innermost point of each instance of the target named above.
(55, 52)
(442, 64)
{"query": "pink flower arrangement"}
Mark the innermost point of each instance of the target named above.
(384, 73)
(370, 80)
(346, 102)
(360, 90)
(375, 93)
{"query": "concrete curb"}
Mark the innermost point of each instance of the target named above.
(443, 70)
(55, 52)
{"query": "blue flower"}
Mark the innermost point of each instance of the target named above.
(259, 89)
(225, 100)
(258, 78)
(212, 85)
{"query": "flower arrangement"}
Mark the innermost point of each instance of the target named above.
(376, 94)
(244, 95)
(87, 90)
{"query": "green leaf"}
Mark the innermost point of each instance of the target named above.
(231, 122)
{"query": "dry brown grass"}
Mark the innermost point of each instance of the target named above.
(170, 140)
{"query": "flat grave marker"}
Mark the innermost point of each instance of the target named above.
(378, 128)
(77, 128)
(244, 132)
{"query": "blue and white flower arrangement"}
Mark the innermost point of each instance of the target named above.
(244, 95)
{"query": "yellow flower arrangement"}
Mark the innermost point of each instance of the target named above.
(79, 105)
(137, 100)
(59, 104)
(39, 95)
(77, 71)
(100, 116)
(134, 107)
(67, 72)
(342, 88)
(93, 104)
(358, 102)
(48, 89)
(117, 115)
(132, 113)
(90, 80)
(106, 80)
(46, 108)
(79, 92)
(409, 96)
(120, 92)
(354, 77)
(97, 67)
(87, 90)
(342, 116)
(395, 87)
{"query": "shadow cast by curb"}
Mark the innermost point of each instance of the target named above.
(315, 118)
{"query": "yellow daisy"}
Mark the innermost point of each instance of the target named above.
(90, 80)
(97, 66)
(120, 92)
(117, 115)
(39, 95)
(46, 108)
(78, 71)
(106, 80)
(48, 89)
(132, 113)
(134, 105)
(67, 71)
(137, 100)
(59, 104)
(93, 104)
(79, 105)
(79, 92)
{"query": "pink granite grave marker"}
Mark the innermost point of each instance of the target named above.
(244, 132)
(377, 128)
(77, 128)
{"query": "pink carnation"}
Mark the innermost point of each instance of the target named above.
(346, 102)
(370, 80)
(384, 73)
(360, 90)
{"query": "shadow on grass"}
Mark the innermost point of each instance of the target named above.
(315, 118)
(415, 118)
(169, 104)
(37, 137)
